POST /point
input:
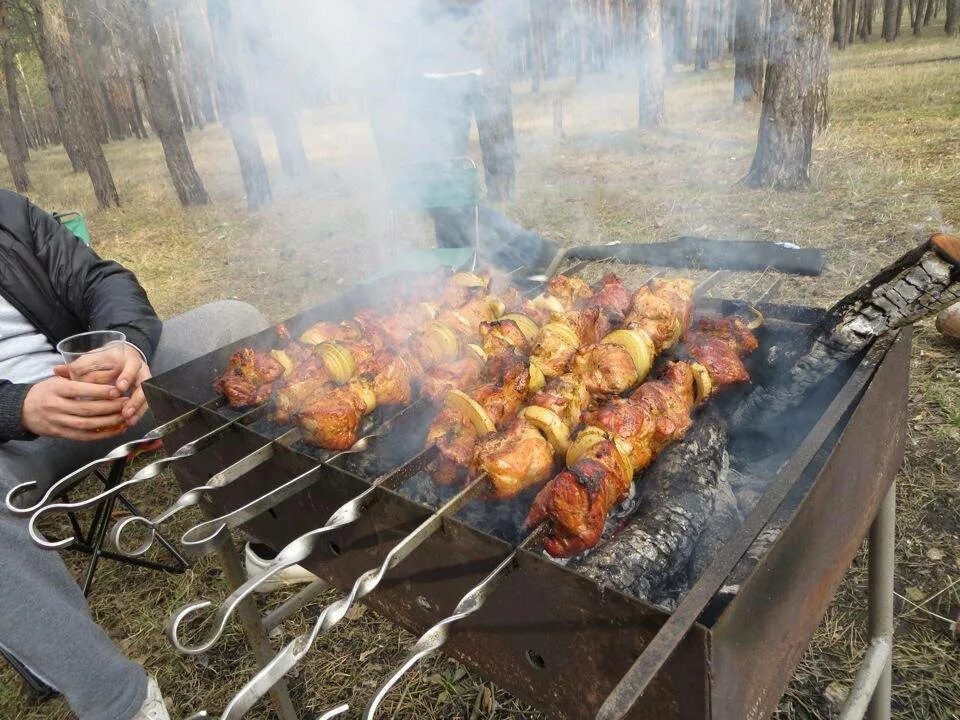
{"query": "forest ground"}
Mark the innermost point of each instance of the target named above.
(886, 169)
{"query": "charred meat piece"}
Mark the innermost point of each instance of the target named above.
(611, 296)
(502, 400)
(567, 396)
(294, 396)
(249, 377)
(457, 375)
(569, 290)
(455, 438)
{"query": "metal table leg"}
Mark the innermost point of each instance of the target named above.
(871, 691)
(253, 628)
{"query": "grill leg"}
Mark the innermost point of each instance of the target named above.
(253, 627)
(870, 694)
(882, 564)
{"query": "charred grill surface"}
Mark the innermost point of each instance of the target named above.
(678, 495)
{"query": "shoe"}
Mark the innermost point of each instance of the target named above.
(257, 560)
(153, 708)
(948, 322)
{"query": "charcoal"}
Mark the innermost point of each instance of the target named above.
(678, 499)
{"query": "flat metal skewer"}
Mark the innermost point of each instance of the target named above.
(296, 649)
(206, 535)
(146, 473)
(119, 452)
(435, 637)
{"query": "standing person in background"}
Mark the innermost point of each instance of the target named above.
(423, 99)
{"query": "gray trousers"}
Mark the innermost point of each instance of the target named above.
(44, 619)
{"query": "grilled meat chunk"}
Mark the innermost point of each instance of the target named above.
(331, 419)
(606, 369)
(514, 459)
(662, 309)
(249, 377)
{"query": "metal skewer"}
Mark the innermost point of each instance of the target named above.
(119, 452)
(296, 649)
(150, 471)
(435, 637)
(205, 536)
(202, 536)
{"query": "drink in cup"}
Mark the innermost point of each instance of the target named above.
(94, 357)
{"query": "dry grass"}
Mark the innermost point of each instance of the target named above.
(888, 164)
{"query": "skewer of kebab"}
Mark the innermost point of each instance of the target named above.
(249, 372)
(592, 359)
(330, 416)
(662, 408)
(295, 552)
(505, 347)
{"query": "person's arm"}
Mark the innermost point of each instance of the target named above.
(104, 294)
(11, 407)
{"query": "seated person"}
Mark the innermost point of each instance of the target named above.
(52, 286)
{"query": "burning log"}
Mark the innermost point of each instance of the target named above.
(920, 283)
(678, 500)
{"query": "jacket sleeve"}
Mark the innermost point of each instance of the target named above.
(105, 295)
(11, 407)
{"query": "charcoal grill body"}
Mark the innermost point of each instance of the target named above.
(549, 635)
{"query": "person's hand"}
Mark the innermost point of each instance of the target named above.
(128, 382)
(59, 407)
(131, 378)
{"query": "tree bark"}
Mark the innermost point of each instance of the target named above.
(918, 16)
(75, 116)
(750, 49)
(494, 113)
(17, 126)
(952, 24)
(35, 131)
(931, 11)
(841, 12)
(234, 105)
(8, 143)
(274, 90)
(650, 58)
(889, 32)
(160, 99)
(535, 47)
(794, 93)
(899, 24)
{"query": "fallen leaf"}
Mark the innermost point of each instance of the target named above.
(356, 612)
(935, 553)
(915, 594)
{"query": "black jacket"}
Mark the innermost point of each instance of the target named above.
(63, 288)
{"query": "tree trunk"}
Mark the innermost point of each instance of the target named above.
(275, 91)
(863, 26)
(63, 79)
(918, 16)
(889, 32)
(15, 118)
(8, 143)
(494, 113)
(535, 53)
(794, 92)
(840, 26)
(749, 49)
(650, 58)
(952, 25)
(900, 7)
(160, 99)
(234, 105)
(35, 131)
(930, 13)
(139, 127)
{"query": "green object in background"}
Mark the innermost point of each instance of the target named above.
(424, 260)
(425, 185)
(75, 223)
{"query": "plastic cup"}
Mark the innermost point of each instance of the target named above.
(94, 357)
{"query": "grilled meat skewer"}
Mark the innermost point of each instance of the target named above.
(679, 491)
(625, 435)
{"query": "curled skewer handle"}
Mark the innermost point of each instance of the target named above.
(333, 613)
(147, 473)
(68, 481)
(435, 637)
(187, 499)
